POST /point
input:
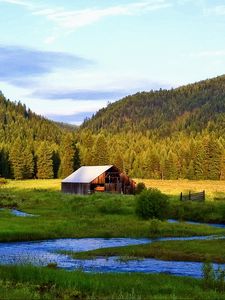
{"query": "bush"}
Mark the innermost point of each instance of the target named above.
(151, 204)
(139, 188)
(213, 279)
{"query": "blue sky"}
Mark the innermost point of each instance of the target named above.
(65, 59)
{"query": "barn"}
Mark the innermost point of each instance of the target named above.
(90, 179)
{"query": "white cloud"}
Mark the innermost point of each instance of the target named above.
(74, 19)
(66, 107)
(25, 4)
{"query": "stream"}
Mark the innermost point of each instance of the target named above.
(41, 253)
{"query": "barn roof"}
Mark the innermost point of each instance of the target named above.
(86, 174)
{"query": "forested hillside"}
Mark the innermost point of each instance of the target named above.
(168, 134)
(32, 146)
(165, 134)
(188, 109)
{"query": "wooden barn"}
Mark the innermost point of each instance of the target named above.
(90, 179)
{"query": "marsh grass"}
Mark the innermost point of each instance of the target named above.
(27, 282)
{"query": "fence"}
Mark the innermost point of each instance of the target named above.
(193, 196)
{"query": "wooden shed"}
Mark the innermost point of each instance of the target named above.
(90, 179)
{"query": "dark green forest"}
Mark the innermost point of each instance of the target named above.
(32, 146)
(165, 134)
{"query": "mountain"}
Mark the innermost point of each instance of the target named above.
(165, 134)
(190, 109)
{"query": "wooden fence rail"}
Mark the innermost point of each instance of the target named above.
(193, 196)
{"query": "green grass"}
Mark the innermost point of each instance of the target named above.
(203, 251)
(27, 282)
(62, 215)
(101, 215)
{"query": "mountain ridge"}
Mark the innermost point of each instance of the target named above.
(190, 108)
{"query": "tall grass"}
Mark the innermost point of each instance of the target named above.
(29, 282)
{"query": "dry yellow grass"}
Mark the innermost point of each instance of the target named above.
(53, 184)
(213, 189)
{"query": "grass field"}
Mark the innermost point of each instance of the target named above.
(98, 215)
(103, 215)
(215, 190)
(28, 282)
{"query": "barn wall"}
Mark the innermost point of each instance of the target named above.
(76, 188)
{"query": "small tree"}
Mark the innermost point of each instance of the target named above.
(151, 204)
(139, 188)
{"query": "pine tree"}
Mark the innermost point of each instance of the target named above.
(222, 167)
(67, 153)
(22, 160)
(100, 151)
(44, 161)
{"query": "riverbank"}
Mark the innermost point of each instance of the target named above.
(194, 251)
(27, 282)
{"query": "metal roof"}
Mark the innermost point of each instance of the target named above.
(86, 174)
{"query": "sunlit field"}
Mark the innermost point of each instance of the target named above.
(215, 190)
(52, 184)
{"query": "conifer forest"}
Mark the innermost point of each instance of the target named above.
(165, 134)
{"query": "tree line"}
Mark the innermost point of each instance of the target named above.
(161, 135)
(32, 146)
(197, 157)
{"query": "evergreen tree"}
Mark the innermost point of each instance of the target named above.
(222, 167)
(44, 161)
(22, 160)
(67, 155)
(100, 151)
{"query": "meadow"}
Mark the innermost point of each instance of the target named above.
(100, 215)
(27, 282)
(59, 215)
(215, 190)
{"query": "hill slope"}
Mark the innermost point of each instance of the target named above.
(30, 144)
(190, 109)
(167, 134)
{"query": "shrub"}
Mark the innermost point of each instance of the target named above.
(139, 188)
(214, 279)
(151, 204)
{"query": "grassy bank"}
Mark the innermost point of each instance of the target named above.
(202, 251)
(26, 282)
(99, 215)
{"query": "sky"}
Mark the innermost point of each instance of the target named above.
(66, 59)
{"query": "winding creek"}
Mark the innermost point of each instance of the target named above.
(45, 252)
